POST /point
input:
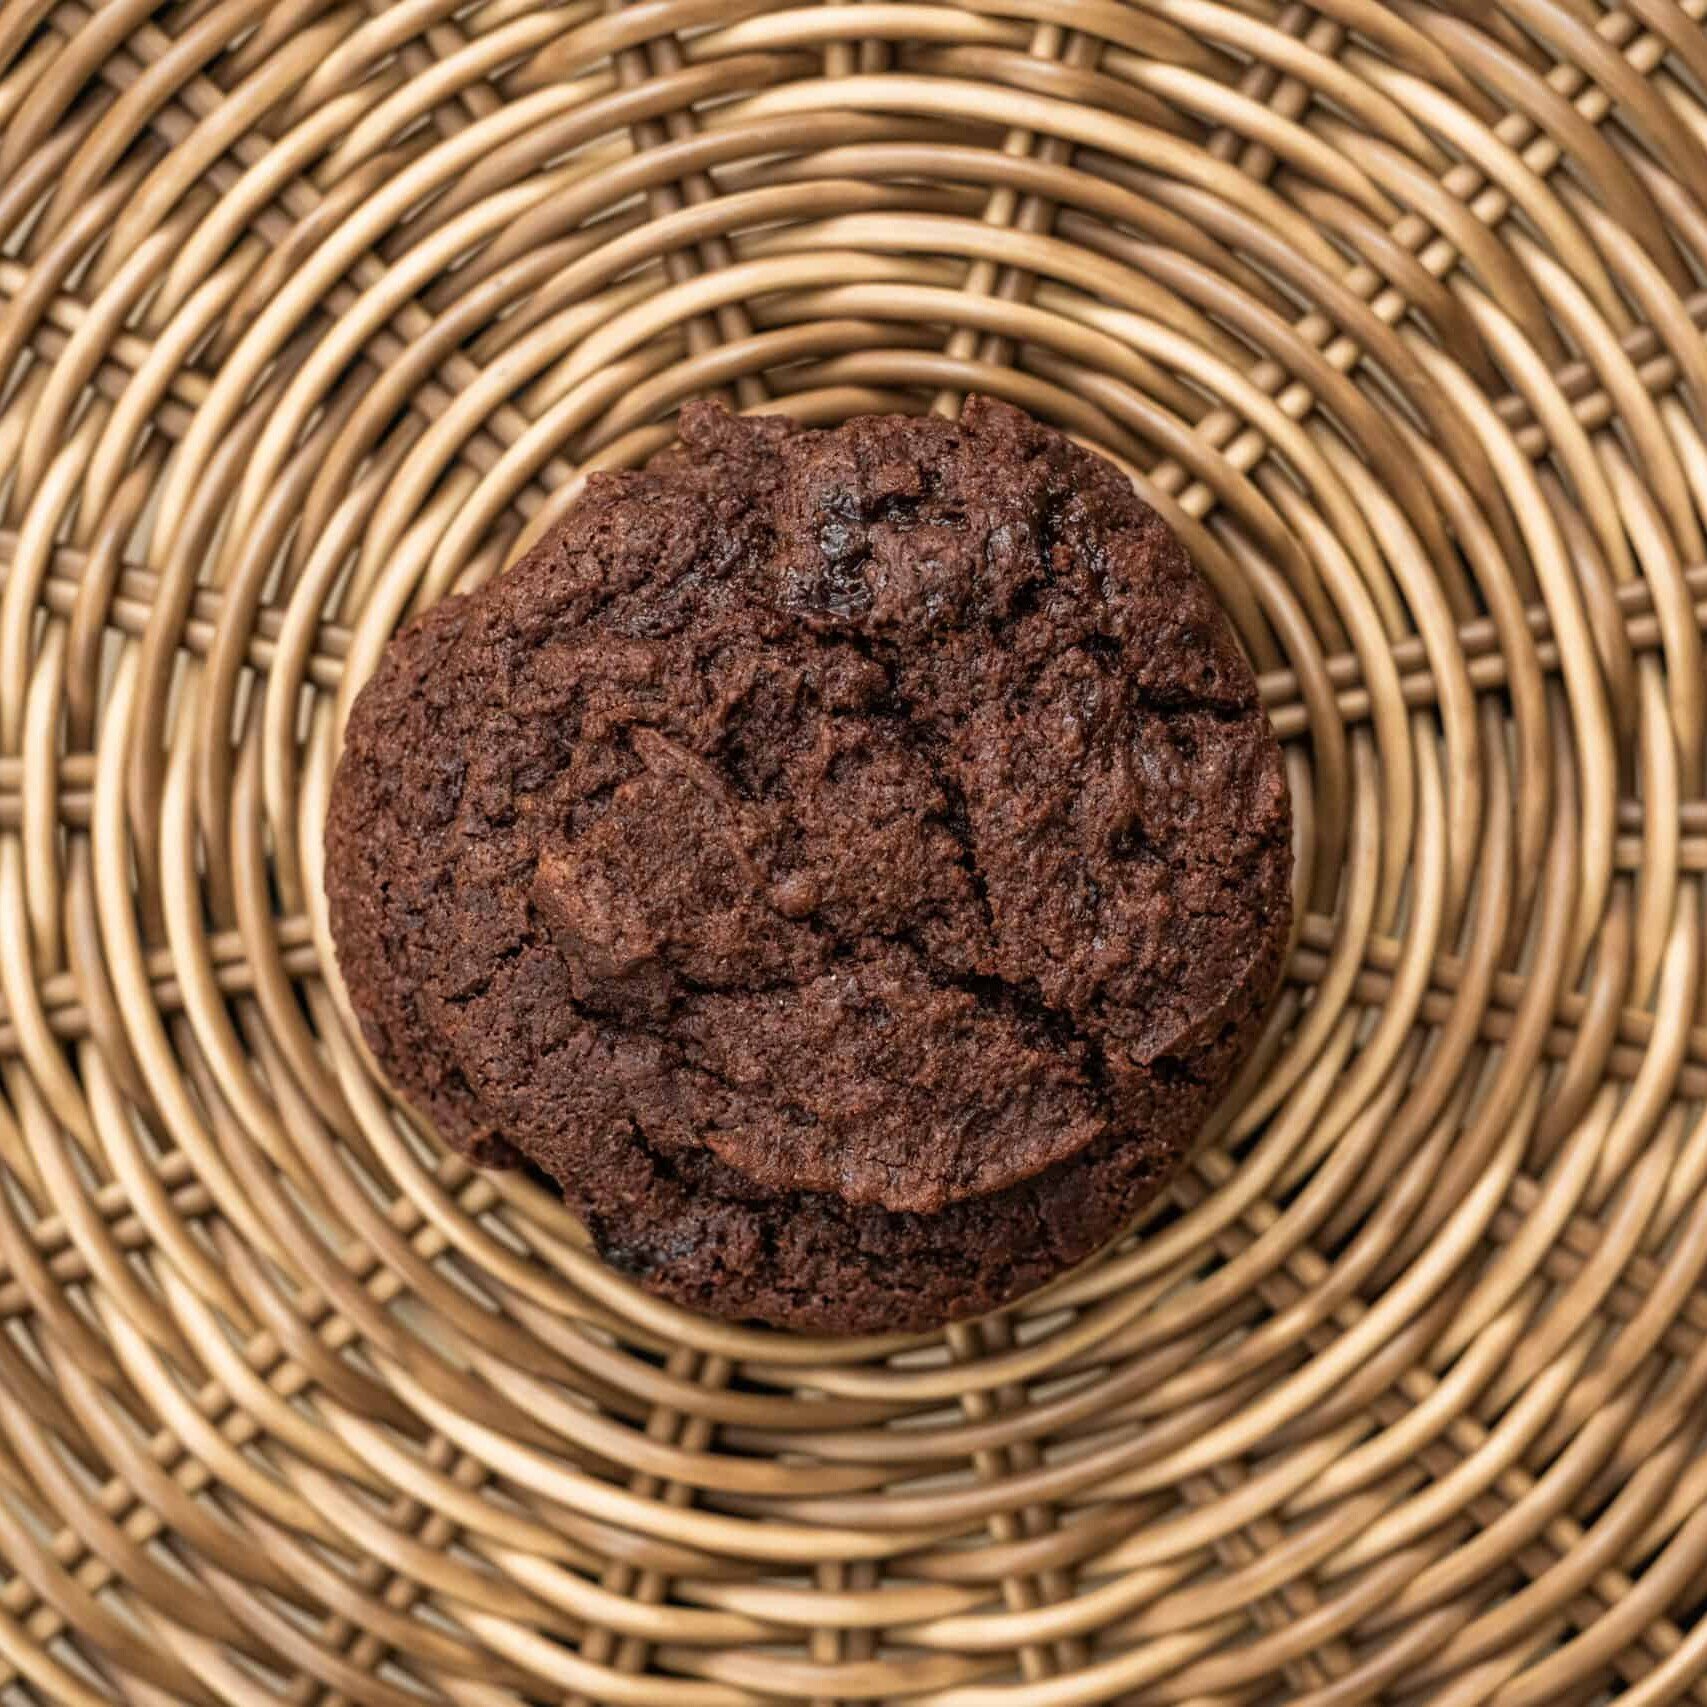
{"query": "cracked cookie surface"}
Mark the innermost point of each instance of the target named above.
(850, 863)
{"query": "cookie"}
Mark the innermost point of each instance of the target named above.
(850, 863)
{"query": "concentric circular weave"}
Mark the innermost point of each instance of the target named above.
(310, 314)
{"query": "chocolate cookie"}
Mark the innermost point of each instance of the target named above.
(849, 863)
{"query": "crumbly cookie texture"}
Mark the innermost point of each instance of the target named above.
(850, 863)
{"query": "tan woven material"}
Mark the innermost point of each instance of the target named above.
(309, 314)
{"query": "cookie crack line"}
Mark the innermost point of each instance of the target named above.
(992, 994)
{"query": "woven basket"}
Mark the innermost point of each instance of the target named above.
(312, 313)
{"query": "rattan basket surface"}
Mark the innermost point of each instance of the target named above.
(312, 312)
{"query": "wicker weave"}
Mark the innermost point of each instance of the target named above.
(311, 313)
